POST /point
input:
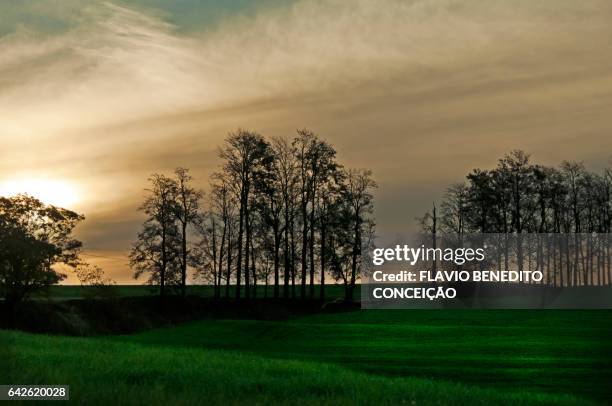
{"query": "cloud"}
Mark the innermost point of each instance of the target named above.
(118, 63)
(420, 91)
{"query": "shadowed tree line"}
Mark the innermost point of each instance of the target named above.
(286, 215)
(551, 219)
(279, 212)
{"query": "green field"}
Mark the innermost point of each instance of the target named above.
(393, 357)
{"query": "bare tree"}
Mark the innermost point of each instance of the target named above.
(303, 144)
(157, 248)
(316, 162)
(287, 177)
(187, 206)
(244, 153)
(357, 192)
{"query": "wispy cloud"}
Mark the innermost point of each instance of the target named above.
(118, 63)
(418, 90)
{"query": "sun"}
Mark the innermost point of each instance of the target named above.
(51, 191)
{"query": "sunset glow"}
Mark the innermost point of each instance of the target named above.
(56, 192)
(97, 96)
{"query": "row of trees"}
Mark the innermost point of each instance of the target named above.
(521, 198)
(287, 212)
(278, 211)
(161, 250)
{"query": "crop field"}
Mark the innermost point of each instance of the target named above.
(368, 357)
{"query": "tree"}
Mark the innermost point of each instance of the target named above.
(339, 248)
(327, 200)
(244, 154)
(157, 249)
(286, 167)
(205, 255)
(187, 205)
(357, 193)
(323, 169)
(574, 172)
(271, 205)
(34, 238)
(302, 145)
(95, 280)
(268, 202)
(222, 205)
(316, 163)
(454, 209)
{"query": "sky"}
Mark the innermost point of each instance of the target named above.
(95, 96)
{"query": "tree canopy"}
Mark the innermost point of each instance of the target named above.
(34, 238)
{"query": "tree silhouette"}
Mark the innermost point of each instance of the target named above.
(557, 220)
(270, 206)
(187, 206)
(157, 250)
(34, 237)
(287, 178)
(244, 154)
(356, 191)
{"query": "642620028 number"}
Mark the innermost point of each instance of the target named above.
(34, 392)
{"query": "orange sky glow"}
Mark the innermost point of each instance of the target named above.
(420, 92)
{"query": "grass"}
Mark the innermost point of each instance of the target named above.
(369, 357)
(551, 351)
(103, 371)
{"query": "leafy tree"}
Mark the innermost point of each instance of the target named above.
(34, 238)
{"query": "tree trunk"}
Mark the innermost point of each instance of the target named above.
(434, 242)
(184, 259)
(304, 248)
(228, 274)
(240, 236)
(293, 259)
(253, 271)
(323, 237)
(247, 277)
(355, 254)
(609, 261)
(286, 270)
(214, 267)
(276, 259)
(311, 249)
(576, 258)
(220, 270)
(162, 271)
